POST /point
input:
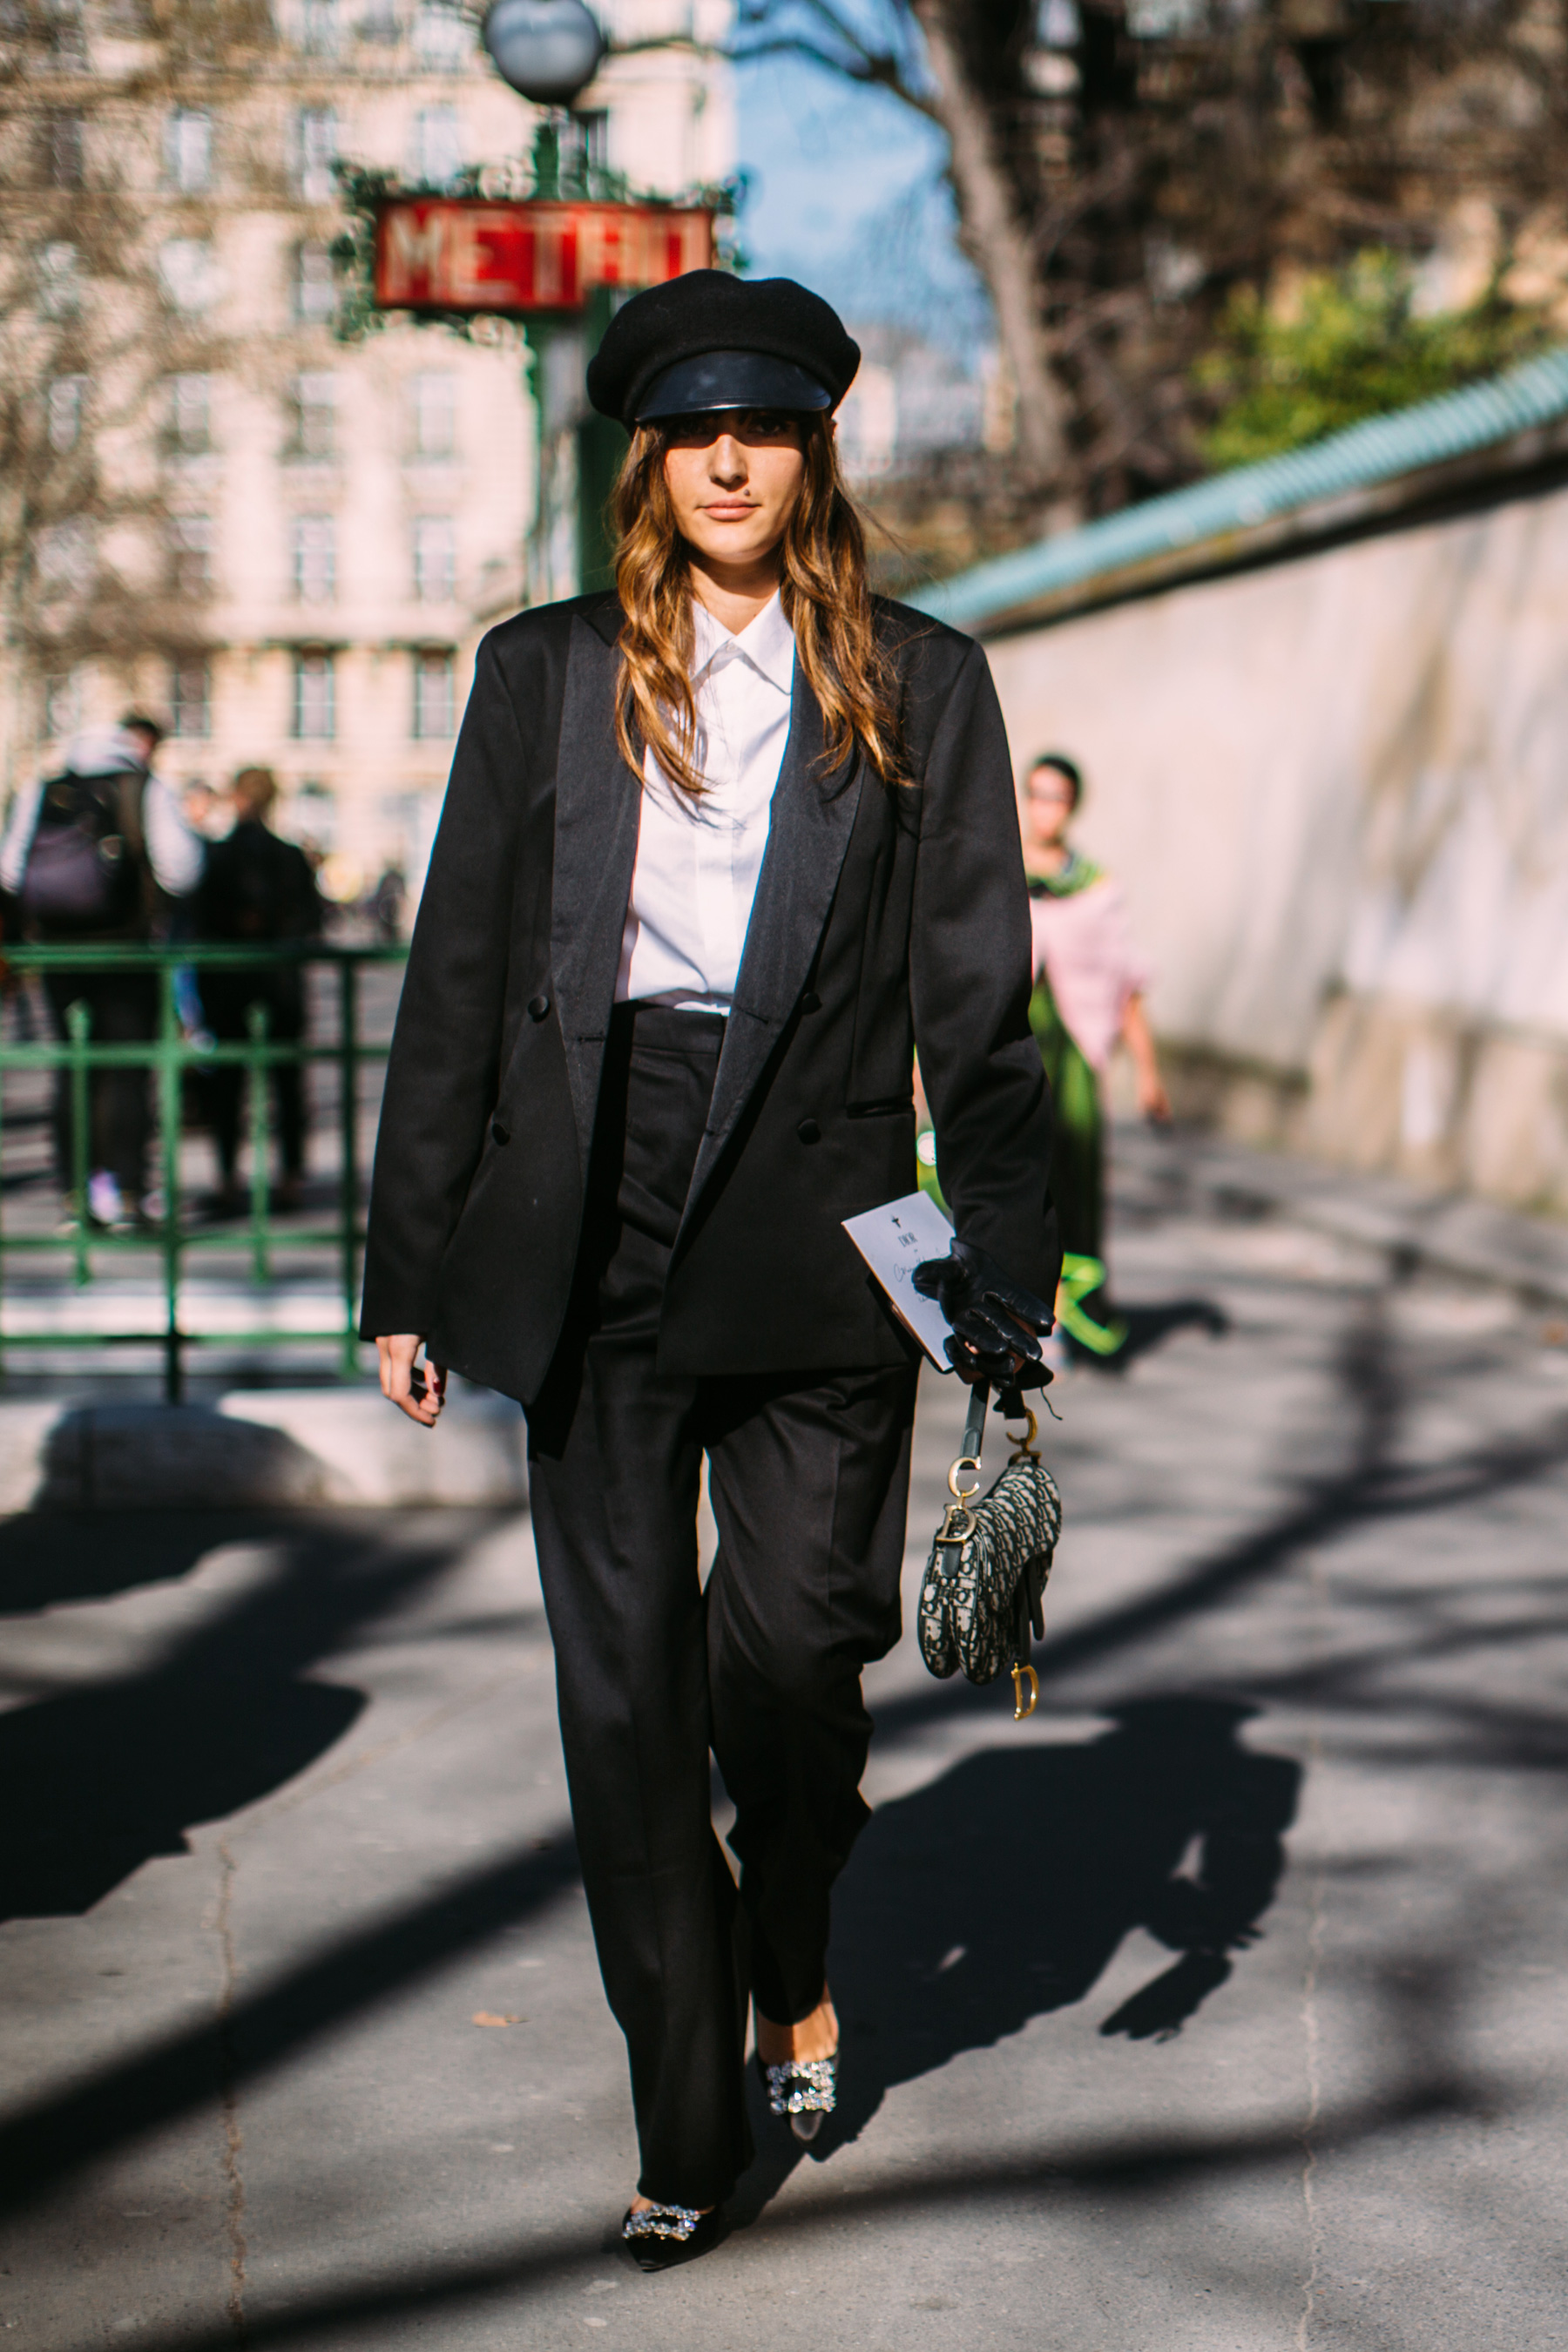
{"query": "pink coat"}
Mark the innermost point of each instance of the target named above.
(1086, 946)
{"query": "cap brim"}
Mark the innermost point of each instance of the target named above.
(730, 380)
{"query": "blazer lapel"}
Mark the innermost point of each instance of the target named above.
(597, 806)
(812, 817)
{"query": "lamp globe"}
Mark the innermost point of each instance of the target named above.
(548, 50)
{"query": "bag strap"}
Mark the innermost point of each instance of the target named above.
(959, 1524)
(974, 1427)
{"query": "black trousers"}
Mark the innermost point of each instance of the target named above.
(808, 1476)
(123, 1010)
(227, 999)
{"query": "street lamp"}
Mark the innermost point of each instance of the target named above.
(548, 50)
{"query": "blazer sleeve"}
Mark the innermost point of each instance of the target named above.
(969, 980)
(443, 1071)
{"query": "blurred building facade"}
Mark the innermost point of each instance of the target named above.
(285, 544)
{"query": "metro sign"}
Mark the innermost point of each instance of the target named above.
(468, 252)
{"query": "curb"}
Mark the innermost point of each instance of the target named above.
(295, 1448)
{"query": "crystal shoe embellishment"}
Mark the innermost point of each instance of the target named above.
(803, 2086)
(676, 2221)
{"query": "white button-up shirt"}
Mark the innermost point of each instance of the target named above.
(698, 859)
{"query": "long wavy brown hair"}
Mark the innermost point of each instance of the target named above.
(826, 599)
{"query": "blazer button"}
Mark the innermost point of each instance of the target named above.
(811, 1002)
(809, 1131)
(538, 1006)
(501, 1134)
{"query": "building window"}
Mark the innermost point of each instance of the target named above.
(443, 33)
(191, 542)
(379, 21)
(315, 414)
(65, 400)
(315, 558)
(434, 696)
(433, 400)
(190, 414)
(315, 285)
(319, 28)
(315, 701)
(190, 697)
(586, 142)
(189, 271)
(62, 704)
(188, 150)
(66, 558)
(61, 158)
(65, 35)
(60, 279)
(315, 153)
(435, 147)
(435, 559)
(314, 817)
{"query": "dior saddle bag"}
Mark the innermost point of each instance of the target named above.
(983, 1593)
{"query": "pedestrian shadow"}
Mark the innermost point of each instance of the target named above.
(50, 1558)
(1005, 1889)
(1148, 1327)
(116, 1775)
(105, 1776)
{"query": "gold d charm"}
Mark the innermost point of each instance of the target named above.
(1021, 1712)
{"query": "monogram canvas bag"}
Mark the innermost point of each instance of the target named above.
(985, 1582)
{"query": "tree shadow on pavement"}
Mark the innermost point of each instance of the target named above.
(1005, 1889)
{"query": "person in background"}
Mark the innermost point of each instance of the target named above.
(145, 734)
(384, 905)
(1089, 985)
(100, 853)
(206, 809)
(260, 890)
(208, 814)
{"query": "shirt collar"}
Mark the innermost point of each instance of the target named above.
(767, 642)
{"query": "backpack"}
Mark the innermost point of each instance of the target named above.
(84, 869)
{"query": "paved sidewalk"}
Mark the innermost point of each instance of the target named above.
(305, 2041)
(1442, 1232)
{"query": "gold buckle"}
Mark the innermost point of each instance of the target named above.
(965, 1462)
(1020, 1712)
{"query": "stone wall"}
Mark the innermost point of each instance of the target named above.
(1336, 790)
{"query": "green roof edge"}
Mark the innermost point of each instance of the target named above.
(1377, 450)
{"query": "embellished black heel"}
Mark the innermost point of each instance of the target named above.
(803, 2089)
(663, 2235)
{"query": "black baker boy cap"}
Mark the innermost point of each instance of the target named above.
(713, 341)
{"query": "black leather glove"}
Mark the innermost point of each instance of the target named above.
(996, 1323)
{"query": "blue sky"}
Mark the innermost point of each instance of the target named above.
(847, 195)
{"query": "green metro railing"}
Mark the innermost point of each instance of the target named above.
(169, 1055)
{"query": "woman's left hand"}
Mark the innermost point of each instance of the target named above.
(996, 1322)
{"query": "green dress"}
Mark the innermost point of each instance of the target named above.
(1078, 1152)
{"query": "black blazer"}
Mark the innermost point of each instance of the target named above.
(883, 918)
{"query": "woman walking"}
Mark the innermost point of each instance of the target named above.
(716, 850)
(1087, 998)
